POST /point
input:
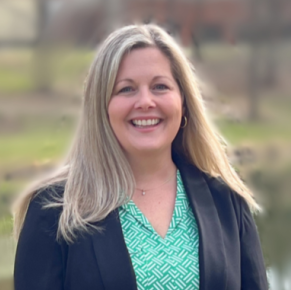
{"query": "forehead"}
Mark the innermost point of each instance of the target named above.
(144, 60)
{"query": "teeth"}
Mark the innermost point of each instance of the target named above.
(146, 122)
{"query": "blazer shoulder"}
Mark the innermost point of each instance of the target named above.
(50, 193)
(45, 208)
(220, 187)
(223, 193)
(40, 257)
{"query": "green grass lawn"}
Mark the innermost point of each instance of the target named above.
(18, 68)
(7, 251)
(256, 133)
(6, 284)
(32, 148)
(41, 142)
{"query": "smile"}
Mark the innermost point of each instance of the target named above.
(145, 123)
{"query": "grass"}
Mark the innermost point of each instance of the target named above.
(39, 142)
(17, 68)
(7, 252)
(14, 81)
(224, 52)
(6, 226)
(15, 71)
(273, 123)
(73, 63)
(6, 284)
(237, 133)
(8, 191)
(32, 148)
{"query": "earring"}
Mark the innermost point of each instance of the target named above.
(185, 122)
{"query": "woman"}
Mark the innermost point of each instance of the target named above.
(147, 199)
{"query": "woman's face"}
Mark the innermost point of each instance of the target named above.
(145, 109)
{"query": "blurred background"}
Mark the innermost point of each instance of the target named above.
(241, 50)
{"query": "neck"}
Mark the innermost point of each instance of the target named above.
(151, 171)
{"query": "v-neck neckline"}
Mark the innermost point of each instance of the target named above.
(180, 208)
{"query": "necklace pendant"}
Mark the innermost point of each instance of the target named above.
(143, 192)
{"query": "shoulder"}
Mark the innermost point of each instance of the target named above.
(40, 257)
(219, 188)
(227, 199)
(47, 197)
(44, 209)
(49, 193)
(220, 191)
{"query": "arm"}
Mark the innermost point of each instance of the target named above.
(253, 271)
(38, 262)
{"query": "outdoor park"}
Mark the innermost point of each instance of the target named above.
(246, 85)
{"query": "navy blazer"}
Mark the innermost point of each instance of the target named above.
(230, 255)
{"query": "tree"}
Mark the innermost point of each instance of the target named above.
(42, 70)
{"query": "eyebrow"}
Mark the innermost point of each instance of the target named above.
(156, 77)
(159, 77)
(125, 80)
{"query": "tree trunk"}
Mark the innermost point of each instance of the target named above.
(253, 70)
(42, 68)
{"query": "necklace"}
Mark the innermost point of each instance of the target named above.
(143, 191)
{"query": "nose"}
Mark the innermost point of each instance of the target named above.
(145, 100)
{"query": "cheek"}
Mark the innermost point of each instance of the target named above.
(117, 113)
(119, 107)
(178, 115)
(113, 116)
(115, 110)
(177, 109)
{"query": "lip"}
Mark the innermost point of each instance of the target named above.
(145, 118)
(146, 128)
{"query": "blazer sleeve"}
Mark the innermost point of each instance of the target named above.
(38, 260)
(253, 271)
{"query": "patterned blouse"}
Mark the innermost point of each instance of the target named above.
(163, 263)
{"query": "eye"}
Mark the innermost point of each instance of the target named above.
(160, 87)
(126, 90)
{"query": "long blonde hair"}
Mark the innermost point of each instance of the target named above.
(97, 173)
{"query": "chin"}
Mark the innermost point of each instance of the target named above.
(151, 148)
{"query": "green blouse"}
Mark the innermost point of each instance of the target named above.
(169, 263)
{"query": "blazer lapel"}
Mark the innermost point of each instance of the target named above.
(212, 260)
(112, 256)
